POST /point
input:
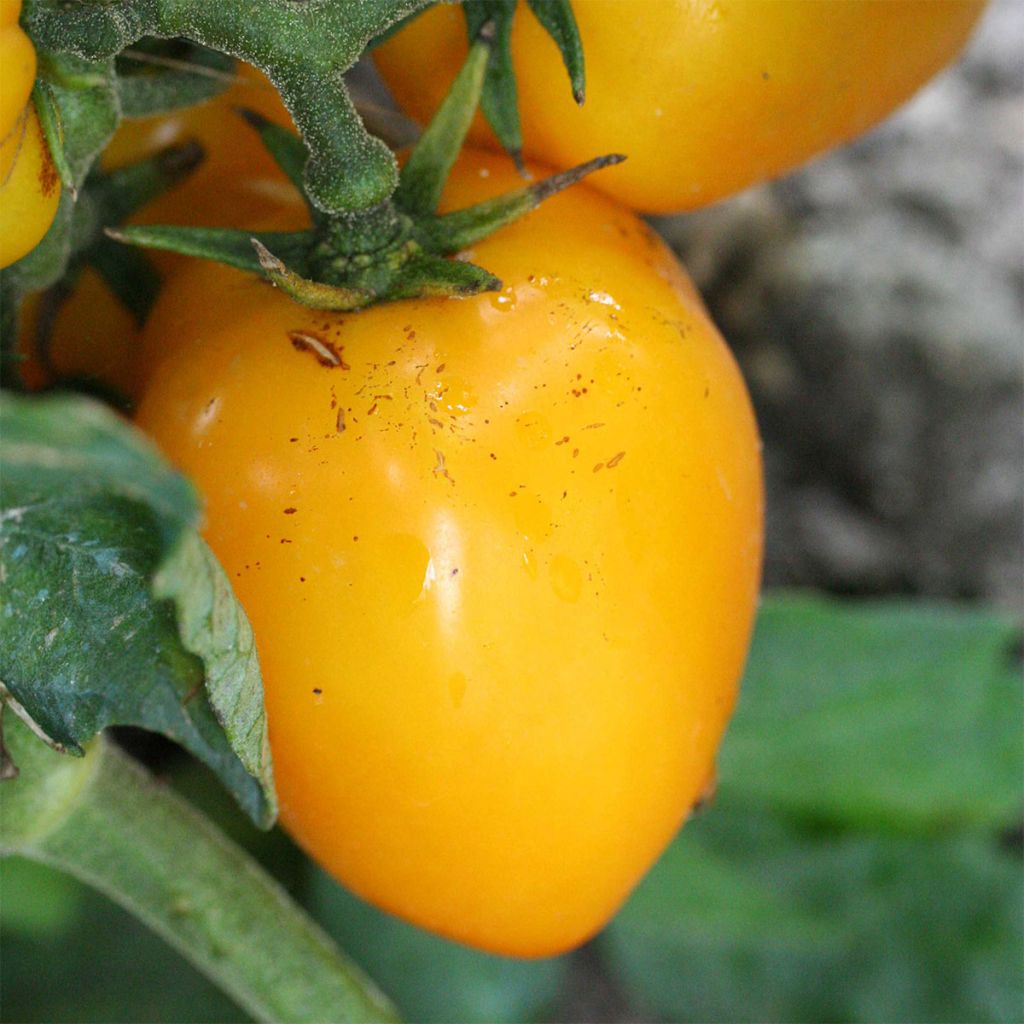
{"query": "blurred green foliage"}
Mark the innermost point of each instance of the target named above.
(861, 861)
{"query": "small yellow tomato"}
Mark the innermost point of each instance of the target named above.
(238, 179)
(500, 555)
(17, 66)
(706, 97)
(29, 183)
(93, 336)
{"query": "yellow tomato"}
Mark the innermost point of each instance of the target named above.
(237, 180)
(29, 183)
(500, 555)
(17, 66)
(93, 336)
(706, 97)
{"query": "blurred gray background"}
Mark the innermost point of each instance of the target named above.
(876, 302)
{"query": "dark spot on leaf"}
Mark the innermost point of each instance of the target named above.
(192, 694)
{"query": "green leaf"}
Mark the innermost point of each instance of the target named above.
(499, 102)
(746, 918)
(284, 146)
(213, 625)
(155, 76)
(422, 179)
(850, 866)
(430, 979)
(90, 515)
(883, 714)
(558, 20)
(85, 96)
(231, 246)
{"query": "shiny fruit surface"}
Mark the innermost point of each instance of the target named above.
(29, 183)
(705, 97)
(501, 557)
(92, 336)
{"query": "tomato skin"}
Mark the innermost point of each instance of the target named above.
(94, 337)
(237, 185)
(706, 97)
(237, 181)
(18, 64)
(501, 564)
(29, 183)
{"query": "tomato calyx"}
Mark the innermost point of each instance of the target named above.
(499, 102)
(399, 248)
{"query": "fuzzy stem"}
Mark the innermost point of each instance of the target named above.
(106, 821)
(304, 48)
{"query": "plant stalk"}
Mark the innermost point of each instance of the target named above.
(110, 824)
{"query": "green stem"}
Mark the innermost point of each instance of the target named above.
(304, 48)
(110, 824)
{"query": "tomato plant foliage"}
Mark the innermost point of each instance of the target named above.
(92, 522)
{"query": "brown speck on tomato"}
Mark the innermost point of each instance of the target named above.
(325, 352)
(290, 511)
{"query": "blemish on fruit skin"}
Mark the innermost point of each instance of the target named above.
(440, 469)
(290, 511)
(49, 177)
(325, 352)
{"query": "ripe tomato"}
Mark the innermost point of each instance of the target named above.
(501, 557)
(237, 185)
(29, 183)
(706, 97)
(238, 179)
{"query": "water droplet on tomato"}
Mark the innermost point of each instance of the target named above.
(566, 578)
